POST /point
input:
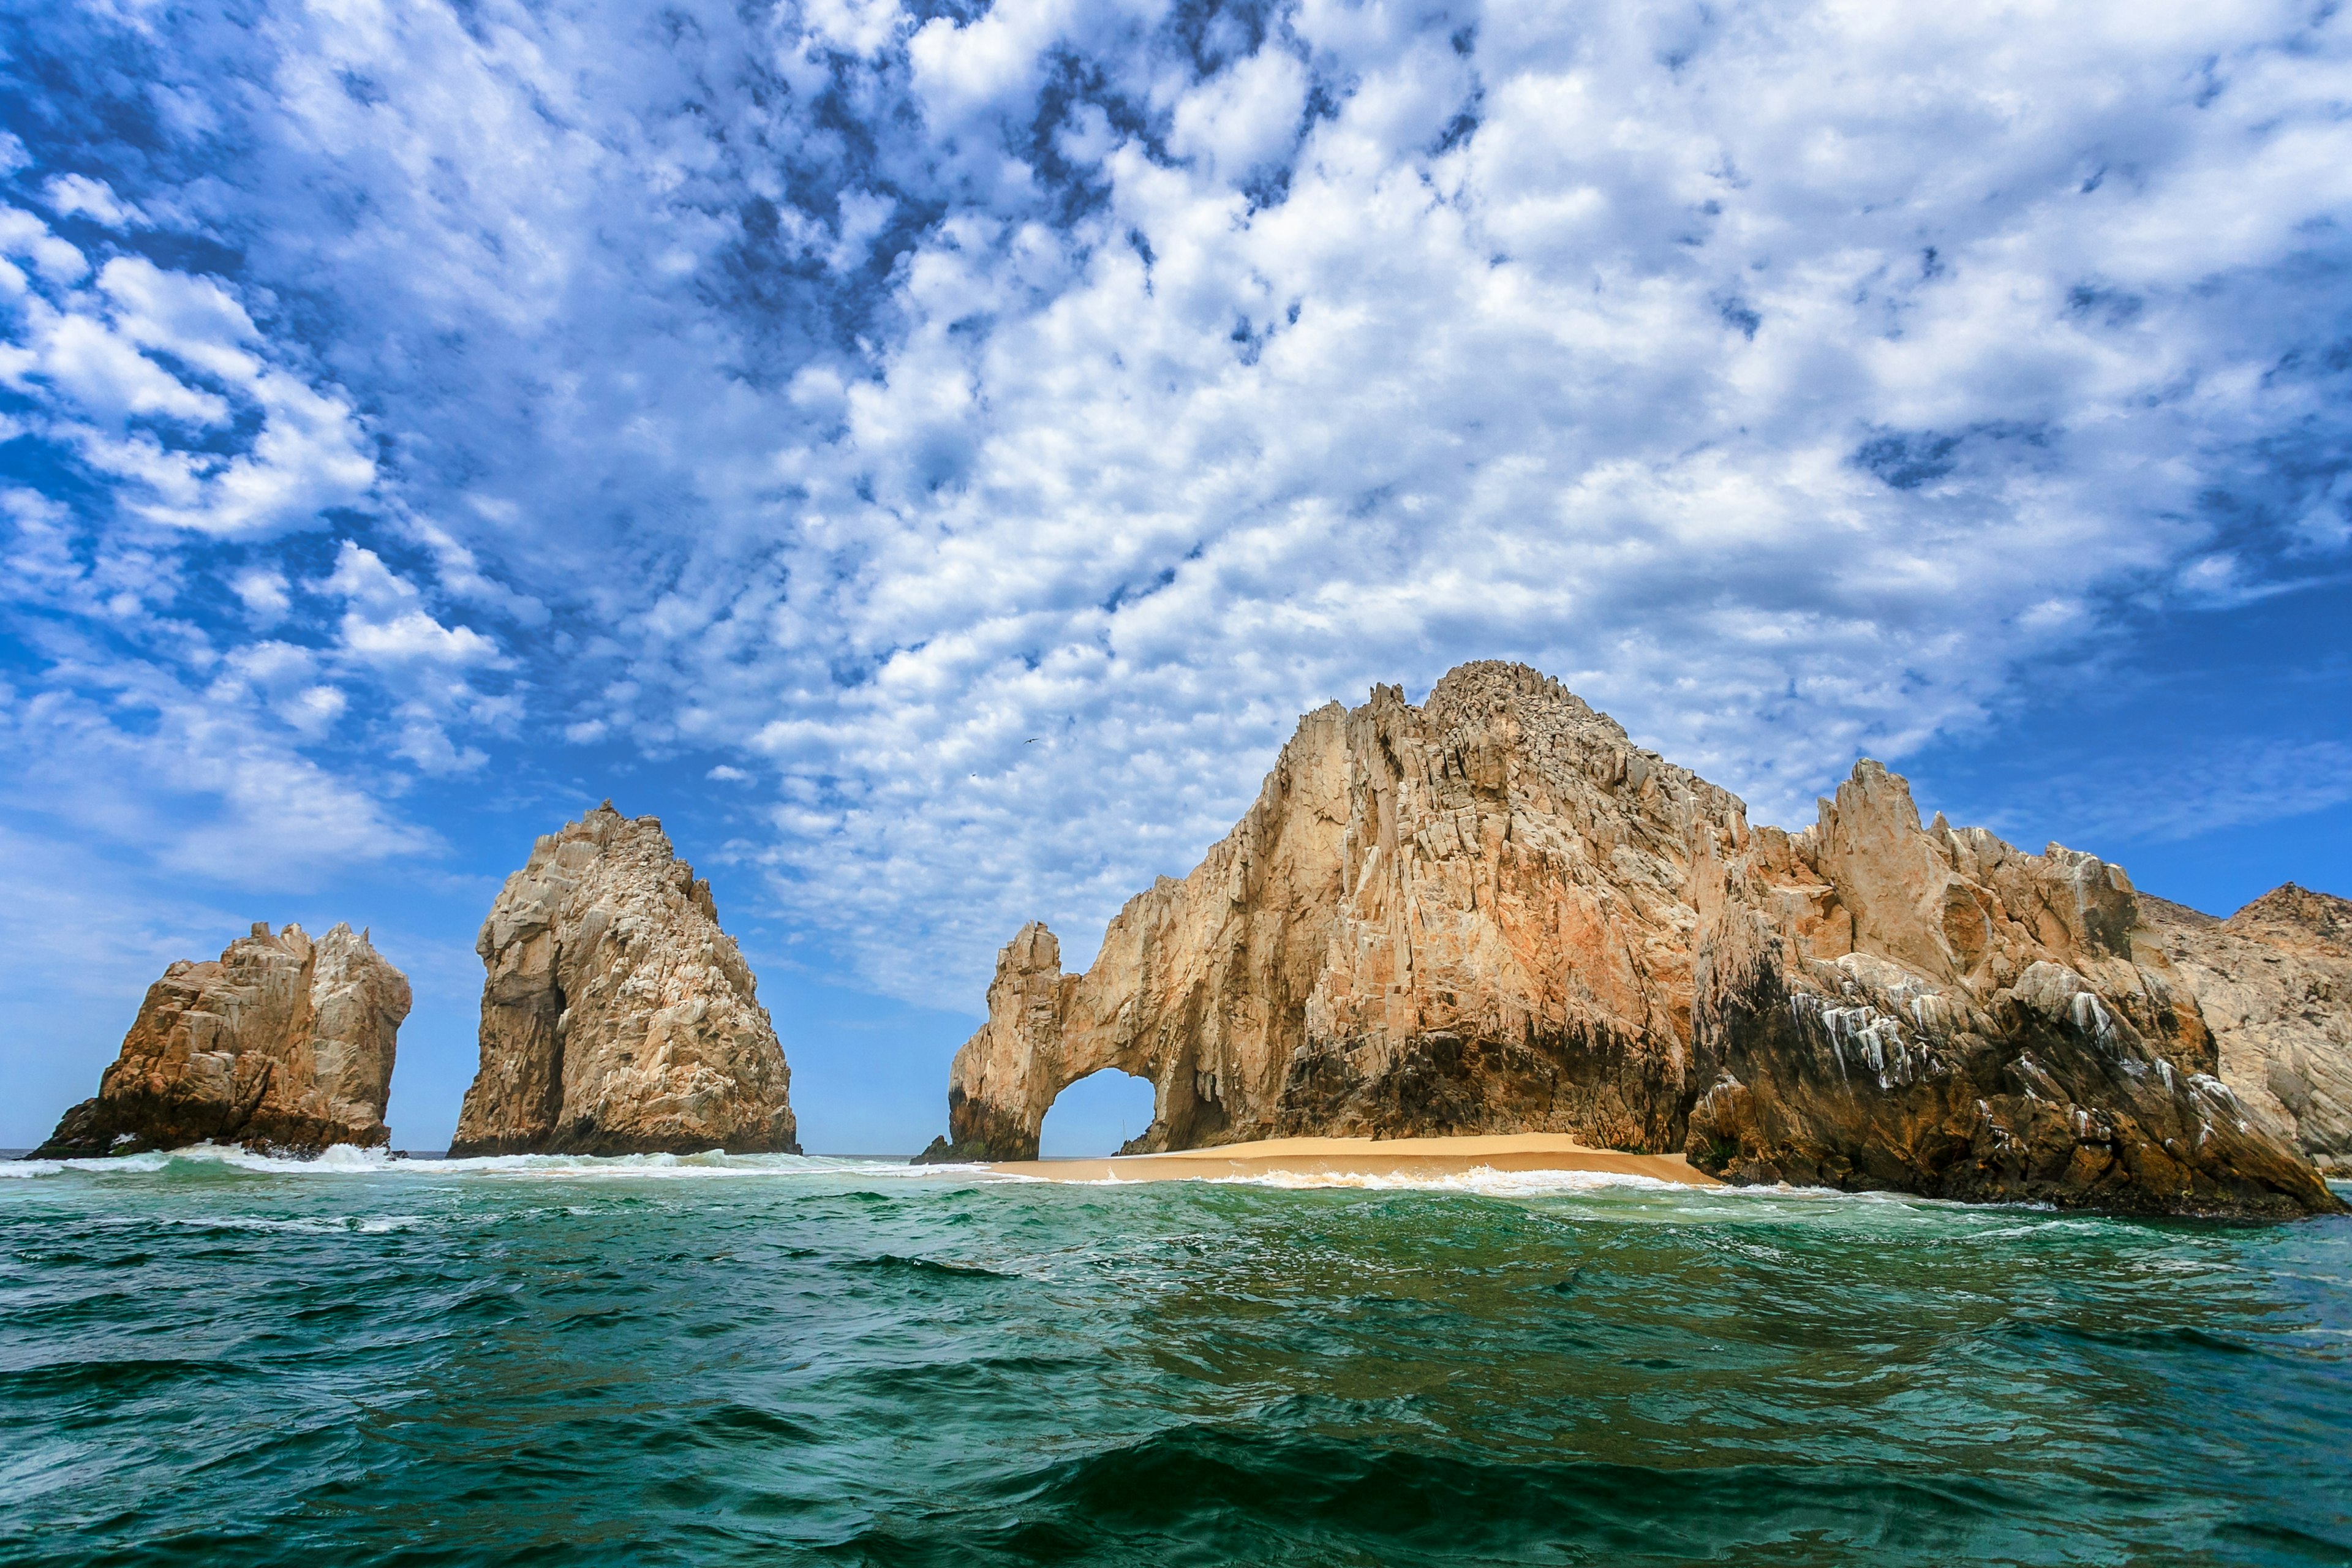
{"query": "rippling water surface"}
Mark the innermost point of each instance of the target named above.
(212, 1358)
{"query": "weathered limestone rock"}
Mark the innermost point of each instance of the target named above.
(1880, 1006)
(1466, 917)
(1022, 1041)
(617, 1019)
(1493, 914)
(2275, 983)
(281, 1043)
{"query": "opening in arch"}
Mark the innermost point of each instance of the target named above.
(1095, 1116)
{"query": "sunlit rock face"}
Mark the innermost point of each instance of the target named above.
(2275, 983)
(1463, 917)
(618, 1018)
(1493, 912)
(282, 1044)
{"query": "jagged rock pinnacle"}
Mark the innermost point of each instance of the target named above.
(618, 1018)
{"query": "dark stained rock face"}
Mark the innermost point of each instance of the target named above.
(281, 1043)
(1883, 1005)
(1493, 914)
(618, 1018)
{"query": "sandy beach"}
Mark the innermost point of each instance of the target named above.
(1366, 1157)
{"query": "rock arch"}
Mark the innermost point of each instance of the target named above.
(1201, 986)
(1010, 1074)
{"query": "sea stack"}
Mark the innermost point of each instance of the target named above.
(618, 1018)
(1494, 913)
(282, 1044)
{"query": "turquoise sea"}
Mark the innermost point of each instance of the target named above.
(209, 1358)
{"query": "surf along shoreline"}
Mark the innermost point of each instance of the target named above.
(1366, 1157)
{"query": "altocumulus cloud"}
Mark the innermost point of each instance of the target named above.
(974, 433)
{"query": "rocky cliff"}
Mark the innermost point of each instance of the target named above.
(1928, 1010)
(618, 1018)
(1464, 917)
(1494, 913)
(2275, 983)
(282, 1044)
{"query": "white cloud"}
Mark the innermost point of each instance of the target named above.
(106, 373)
(385, 622)
(425, 741)
(2206, 788)
(117, 369)
(858, 27)
(422, 664)
(263, 591)
(289, 680)
(960, 66)
(460, 573)
(201, 785)
(24, 236)
(68, 195)
(1244, 117)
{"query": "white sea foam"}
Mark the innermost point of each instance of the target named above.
(689, 1167)
(302, 1225)
(342, 1159)
(345, 1161)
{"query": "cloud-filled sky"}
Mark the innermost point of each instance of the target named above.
(930, 454)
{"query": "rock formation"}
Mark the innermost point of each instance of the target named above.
(1464, 918)
(2275, 983)
(617, 1019)
(1880, 1006)
(1494, 913)
(282, 1044)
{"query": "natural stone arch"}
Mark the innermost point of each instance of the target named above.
(1009, 1075)
(1201, 986)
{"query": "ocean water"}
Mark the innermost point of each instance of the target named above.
(208, 1358)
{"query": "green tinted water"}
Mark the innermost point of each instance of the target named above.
(210, 1360)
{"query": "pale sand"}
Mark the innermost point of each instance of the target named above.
(1408, 1157)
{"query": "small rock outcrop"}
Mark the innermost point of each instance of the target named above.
(1493, 914)
(282, 1044)
(2275, 983)
(618, 1018)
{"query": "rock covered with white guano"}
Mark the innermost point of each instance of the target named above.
(282, 1044)
(1494, 913)
(2275, 983)
(618, 1018)
(1879, 1005)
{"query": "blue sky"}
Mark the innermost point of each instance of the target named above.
(931, 455)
